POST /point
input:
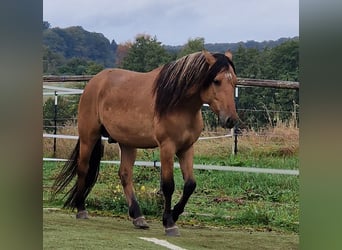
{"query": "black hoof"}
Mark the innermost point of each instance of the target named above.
(172, 231)
(82, 214)
(140, 222)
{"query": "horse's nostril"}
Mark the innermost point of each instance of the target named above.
(230, 122)
(227, 122)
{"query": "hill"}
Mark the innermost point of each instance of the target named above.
(63, 44)
(76, 42)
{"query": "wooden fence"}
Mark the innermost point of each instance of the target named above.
(241, 81)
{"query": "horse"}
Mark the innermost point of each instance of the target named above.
(160, 108)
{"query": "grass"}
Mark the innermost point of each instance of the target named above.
(62, 231)
(228, 199)
(234, 202)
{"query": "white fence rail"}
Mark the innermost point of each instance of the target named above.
(75, 137)
(204, 167)
(176, 165)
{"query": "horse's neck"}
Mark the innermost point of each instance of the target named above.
(191, 105)
(192, 115)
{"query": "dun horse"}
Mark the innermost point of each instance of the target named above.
(161, 108)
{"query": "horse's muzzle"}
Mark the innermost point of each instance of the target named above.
(228, 122)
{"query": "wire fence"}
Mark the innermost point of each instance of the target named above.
(60, 118)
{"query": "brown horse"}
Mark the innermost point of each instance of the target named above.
(161, 108)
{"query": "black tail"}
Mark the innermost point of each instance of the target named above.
(69, 171)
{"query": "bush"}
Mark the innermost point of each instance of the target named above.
(65, 111)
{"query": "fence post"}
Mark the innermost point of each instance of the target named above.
(232, 132)
(235, 149)
(235, 142)
(55, 125)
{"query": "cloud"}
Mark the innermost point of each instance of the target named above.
(175, 21)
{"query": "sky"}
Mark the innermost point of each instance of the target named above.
(174, 22)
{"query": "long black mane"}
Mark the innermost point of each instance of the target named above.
(189, 72)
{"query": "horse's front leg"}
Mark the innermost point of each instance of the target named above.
(168, 186)
(186, 163)
(128, 156)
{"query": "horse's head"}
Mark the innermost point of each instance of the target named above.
(220, 87)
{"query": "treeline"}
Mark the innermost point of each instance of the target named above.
(65, 52)
(63, 49)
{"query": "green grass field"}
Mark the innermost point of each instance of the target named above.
(62, 231)
(228, 210)
(260, 201)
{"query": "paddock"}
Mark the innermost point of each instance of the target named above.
(62, 223)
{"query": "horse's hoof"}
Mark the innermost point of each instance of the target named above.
(82, 214)
(172, 231)
(140, 222)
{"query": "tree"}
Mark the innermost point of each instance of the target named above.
(66, 111)
(193, 45)
(51, 61)
(46, 25)
(145, 54)
(78, 66)
(247, 62)
(285, 59)
(76, 42)
(266, 106)
(121, 53)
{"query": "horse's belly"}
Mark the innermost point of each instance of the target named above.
(132, 136)
(138, 141)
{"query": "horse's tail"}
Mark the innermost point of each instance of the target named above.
(69, 171)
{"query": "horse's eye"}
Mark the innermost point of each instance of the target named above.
(217, 82)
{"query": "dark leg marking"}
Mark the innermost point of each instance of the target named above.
(189, 187)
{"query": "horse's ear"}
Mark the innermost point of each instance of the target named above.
(209, 57)
(229, 54)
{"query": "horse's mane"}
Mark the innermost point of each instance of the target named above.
(176, 78)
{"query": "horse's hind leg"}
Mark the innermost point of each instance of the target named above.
(128, 156)
(87, 171)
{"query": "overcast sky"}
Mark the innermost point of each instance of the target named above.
(173, 22)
